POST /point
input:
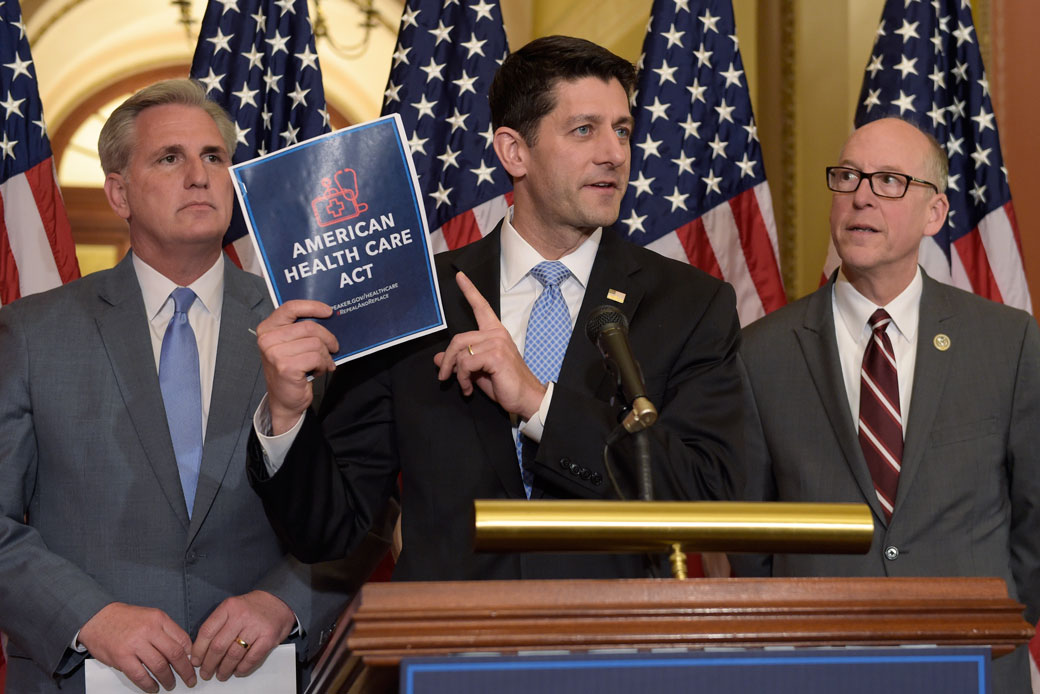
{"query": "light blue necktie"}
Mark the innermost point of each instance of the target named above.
(548, 332)
(182, 392)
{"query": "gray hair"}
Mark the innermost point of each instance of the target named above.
(115, 144)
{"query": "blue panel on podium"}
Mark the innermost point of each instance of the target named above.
(910, 670)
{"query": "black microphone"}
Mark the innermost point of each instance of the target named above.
(608, 329)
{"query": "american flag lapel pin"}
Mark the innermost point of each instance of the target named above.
(615, 295)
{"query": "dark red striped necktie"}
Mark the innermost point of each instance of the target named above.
(880, 422)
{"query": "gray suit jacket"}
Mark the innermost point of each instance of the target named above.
(86, 457)
(968, 502)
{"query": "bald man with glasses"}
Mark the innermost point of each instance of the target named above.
(888, 388)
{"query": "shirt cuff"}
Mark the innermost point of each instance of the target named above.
(275, 447)
(535, 426)
(76, 645)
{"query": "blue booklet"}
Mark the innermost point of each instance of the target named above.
(338, 219)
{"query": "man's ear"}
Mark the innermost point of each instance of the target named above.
(115, 191)
(937, 211)
(512, 151)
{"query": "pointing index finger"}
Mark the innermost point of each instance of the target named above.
(482, 310)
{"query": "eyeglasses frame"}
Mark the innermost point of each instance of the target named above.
(870, 181)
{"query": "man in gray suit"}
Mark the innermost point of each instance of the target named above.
(110, 545)
(941, 434)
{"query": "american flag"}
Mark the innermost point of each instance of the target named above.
(698, 191)
(926, 67)
(257, 59)
(36, 248)
(447, 53)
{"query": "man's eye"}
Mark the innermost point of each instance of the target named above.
(890, 179)
(623, 133)
(583, 129)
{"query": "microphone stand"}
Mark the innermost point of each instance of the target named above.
(644, 478)
(636, 422)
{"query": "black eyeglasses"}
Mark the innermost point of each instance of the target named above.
(885, 184)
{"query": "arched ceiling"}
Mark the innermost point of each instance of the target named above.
(81, 48)
(90, 54)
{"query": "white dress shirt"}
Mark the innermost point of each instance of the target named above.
(204, 317)
(852, 313)
(519, 290)
(517, 293)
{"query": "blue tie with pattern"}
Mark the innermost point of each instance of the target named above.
(182, 392)
(548, 332)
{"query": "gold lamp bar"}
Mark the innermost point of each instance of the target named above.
(655, 526)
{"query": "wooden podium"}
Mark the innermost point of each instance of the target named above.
(390, 621)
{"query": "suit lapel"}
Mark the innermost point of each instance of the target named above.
(613, 269)
(235, 377)
(481, 261)
(930, 372)
(124, 331)
(820, 350)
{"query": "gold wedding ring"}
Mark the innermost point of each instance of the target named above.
(242, 643)
(469, 348)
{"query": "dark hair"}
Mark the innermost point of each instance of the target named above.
(522, 92)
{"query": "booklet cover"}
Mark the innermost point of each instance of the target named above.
(338, 219)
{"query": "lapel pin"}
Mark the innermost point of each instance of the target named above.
(615, 295)
(941, 342)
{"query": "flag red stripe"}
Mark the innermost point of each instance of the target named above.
(976, 264)
(460, 230)
(55, 220)
(758, 251)
(9, 287)
(233, 254)
(698, 250)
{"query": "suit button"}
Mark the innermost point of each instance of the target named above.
(192, 556)
(596, 479)
(575, 469)
(586, 473)
(565, 463)
(891, 553)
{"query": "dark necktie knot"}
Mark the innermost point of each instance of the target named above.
(879, 320)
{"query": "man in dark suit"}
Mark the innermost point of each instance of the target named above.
(947, 459)
(105, 548)
(444, 411)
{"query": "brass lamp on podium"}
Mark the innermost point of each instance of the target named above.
(675, 526)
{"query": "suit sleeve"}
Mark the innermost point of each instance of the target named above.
(41, 617)
(690, 362)
(322, 507)
(1024, 473)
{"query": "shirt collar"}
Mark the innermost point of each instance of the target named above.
(855, 309)
(518, 256)
(156, 287)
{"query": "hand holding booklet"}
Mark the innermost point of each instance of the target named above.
(338, 219)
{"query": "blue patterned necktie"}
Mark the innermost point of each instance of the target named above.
(548, 332)
(182, 392)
